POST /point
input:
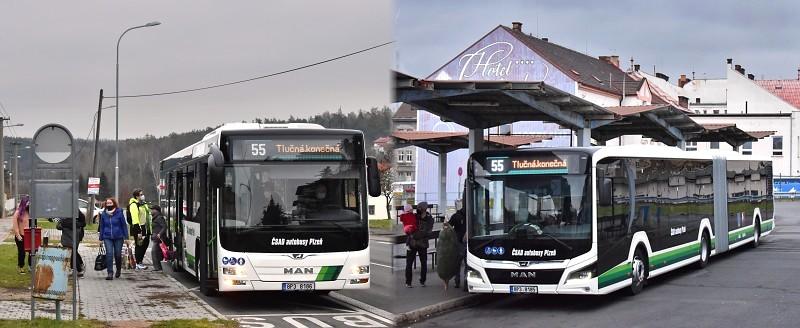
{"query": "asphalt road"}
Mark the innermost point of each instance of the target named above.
(742, 288)
(278, 309)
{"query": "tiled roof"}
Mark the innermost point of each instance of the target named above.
(449, 141)
(587, 70)
(405, 112)
(788, 90)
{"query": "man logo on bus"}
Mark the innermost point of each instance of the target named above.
(298, 270)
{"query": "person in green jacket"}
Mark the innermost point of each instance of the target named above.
(139, 218)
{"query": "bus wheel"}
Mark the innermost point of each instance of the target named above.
(638, 272)
(757, 233)
(705, 250)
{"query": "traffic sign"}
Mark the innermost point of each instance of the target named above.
(460, 171)
(94, 186)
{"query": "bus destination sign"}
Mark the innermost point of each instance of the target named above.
(526, 165)
(290, 150)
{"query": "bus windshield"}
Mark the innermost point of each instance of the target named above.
(524, 207)
(291, 196)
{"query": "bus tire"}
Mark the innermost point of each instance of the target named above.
(705, 250)
(322, 292)
(757, 233)
(638, 271)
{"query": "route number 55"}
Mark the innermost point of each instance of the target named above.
(258, 149)
(497, 165)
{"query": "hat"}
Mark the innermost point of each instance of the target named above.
(155, 207)
(407, 208)
(422, 205)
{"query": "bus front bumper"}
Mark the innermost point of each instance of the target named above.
(478, 281)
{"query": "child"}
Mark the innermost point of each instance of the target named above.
(409, 221)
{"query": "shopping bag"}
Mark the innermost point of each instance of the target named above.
(164, 251)
(100, 260)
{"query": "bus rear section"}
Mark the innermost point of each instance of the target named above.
(530, 223)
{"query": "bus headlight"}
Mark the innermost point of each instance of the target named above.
(474, 275)
(361, 269)
(229, 271)
(585, 273)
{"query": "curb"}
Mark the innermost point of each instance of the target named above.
(198, 298)
(410, 316)
(364, 306)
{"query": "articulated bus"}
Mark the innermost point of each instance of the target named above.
(271, 207)
(597, 220)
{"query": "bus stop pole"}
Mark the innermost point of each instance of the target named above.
(32, 264)
(443, 184)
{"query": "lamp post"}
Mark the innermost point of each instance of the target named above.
(116, 96)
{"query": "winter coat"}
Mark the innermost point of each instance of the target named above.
(139, 217)
(459, 223)
(113, 226)
(65, 225)
(159, 228)
(423, 233)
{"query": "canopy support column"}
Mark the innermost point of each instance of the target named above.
(584, 136)
(442, 183)
(475, 140)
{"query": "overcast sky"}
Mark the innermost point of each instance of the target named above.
(678, 37)
(56, 55)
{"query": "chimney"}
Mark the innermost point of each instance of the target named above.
(682, 81)
(637, 66)
(613, 60)
(516, 26)
(751, 76)
(662, 76)
(683, 101)
(798, 73)
(545, 39)
(730, 62)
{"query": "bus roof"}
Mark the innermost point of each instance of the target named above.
(200, 148)
(650, 151)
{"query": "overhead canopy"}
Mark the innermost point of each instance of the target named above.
(485, 104)
(730, 133)
(445, 142)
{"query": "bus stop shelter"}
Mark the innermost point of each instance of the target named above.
(443, 143)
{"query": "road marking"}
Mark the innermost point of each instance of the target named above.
(382, 265)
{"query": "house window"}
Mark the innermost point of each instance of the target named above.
(716, 111)
(696, 100)
(691, 145)
(715, 145)
(371, 209)
(777, 146)
(747, 148)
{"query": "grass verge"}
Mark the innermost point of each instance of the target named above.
(9, 277)
(47, 323)
(380, 224)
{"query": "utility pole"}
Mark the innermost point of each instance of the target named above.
(15, 189)
(2, 159)
(90, 208)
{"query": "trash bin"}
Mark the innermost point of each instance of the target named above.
(27, 236)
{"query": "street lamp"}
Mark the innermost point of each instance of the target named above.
(116, 96)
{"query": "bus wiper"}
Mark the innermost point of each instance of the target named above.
(556, 240)
(341, 227)
(481, 245)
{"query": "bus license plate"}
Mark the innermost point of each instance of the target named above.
(524, 290)
(298, 286)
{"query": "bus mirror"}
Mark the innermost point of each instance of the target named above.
(373, 177)
(216, 162)
(604, 192)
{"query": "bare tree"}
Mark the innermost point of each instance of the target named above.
(387, 189)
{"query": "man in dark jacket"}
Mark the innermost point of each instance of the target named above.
(67, 235)
(418, 246)
(459, 223)
(159, 236)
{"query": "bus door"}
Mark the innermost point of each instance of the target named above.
(177, 214)
(720, 182)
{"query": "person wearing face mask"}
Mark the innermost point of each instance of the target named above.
(139, 217)
(113, 231)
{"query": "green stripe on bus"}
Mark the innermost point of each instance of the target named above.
(614, 275)
(740, 234)
(767, 225)
(674, 256)
(189, 260)
(329, 273)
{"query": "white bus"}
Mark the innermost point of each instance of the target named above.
(271, 207)
(597, 220)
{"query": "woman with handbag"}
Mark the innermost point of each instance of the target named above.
(21, 221)
(159, 236)
(113, 231)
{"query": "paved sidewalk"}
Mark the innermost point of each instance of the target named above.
(136, 296)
